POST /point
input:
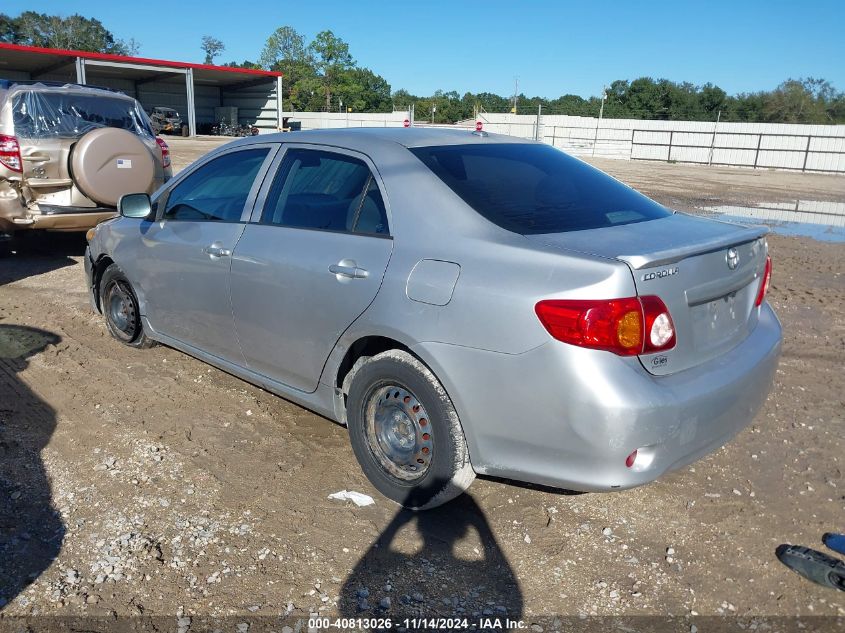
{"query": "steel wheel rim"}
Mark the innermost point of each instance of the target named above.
(399, 433)
(122, 312)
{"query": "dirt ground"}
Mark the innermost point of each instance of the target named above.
(148, 483)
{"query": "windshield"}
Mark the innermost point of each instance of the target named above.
(69, 115)
(531, 189)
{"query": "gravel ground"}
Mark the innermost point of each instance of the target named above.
(147, 483)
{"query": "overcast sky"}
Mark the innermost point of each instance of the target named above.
(554, 47)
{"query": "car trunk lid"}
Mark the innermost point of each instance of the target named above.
(706, 272)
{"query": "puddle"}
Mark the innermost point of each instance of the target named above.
(824, 221)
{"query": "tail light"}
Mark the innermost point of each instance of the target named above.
(628, 327)
(10, 153)
(764, 284)
(165, 152)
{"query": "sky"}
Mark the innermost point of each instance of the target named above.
(554, 47)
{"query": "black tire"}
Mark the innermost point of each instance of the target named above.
(448, 471)
(120, 308)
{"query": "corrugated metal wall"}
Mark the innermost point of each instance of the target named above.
(762, 145)
(256, 104)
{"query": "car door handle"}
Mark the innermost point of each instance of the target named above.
(216, 251)
(352, 272)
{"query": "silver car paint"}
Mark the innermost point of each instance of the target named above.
(532, 408)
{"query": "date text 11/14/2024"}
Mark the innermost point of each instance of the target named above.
(416, 624)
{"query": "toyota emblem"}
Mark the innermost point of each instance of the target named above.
(732, 258)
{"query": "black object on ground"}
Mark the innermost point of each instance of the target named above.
(813, 565)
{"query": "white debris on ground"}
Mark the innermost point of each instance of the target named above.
(358, 498)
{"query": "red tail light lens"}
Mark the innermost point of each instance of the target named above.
(764, 284)
(165, 151)
(628, 327)
(10, 153)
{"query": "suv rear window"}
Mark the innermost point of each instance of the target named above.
(50, 114)
(531, 189)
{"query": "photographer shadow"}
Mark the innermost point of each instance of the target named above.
(31, 530)
(440, 563)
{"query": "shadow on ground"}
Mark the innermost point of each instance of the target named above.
(459, 560)
(40, 252)
(31, 530)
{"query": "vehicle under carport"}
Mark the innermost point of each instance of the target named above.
(194, 90)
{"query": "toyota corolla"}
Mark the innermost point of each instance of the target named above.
(465, 303)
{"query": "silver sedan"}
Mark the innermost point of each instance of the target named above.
(465, 303)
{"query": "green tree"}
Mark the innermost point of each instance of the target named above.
(286, 51)
(244, 64)
(212, 47)
(332, 58)
(52, 31)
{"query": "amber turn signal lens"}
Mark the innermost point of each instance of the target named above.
(629, 332)
(90, 233)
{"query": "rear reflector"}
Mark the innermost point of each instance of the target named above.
(627, 327)
(629, 461)
(10, 153)
(764, 284)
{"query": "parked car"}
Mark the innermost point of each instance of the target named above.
(464, 302)
(68, 152)
(166, 120)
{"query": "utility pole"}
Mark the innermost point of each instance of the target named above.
(713, 142)
(601, 114)
(515, 92)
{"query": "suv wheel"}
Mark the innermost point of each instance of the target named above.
(120, 307)
(405, 432)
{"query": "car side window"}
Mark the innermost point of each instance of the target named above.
(315, 189)
(217, 191)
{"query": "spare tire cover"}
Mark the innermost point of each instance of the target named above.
(109, 162)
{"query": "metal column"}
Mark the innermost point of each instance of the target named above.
(280, 121)
(192, 114)
(80, 70)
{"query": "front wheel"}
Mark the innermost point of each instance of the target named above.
(120, 307)
(405, 432)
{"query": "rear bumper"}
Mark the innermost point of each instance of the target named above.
(567, 417)
(67, 220)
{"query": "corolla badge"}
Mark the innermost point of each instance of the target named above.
(732, 258)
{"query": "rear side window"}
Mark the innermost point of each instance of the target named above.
(531, 189)
(322, 190)
(217, 191)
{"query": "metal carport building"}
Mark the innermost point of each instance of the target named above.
(192, 89)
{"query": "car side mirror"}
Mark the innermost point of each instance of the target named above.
(135, 205)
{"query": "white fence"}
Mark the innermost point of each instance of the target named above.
(818, 148)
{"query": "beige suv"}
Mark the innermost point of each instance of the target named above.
(67, 154)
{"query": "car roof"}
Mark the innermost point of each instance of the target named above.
(364, 138)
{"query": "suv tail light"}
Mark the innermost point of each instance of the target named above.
(764, 284)
(628, 327)
(165, 151)
(10, 153)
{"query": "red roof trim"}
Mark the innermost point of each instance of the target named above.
(136, 60)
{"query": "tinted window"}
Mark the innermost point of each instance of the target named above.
(322, 190)
(531, 189)
(218, 190)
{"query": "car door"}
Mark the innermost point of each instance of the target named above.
(187, 252)
(310, 263)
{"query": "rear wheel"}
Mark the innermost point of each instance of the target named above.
(405, 432)
(120, 307)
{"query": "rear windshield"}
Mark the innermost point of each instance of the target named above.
(531, 189)
(52, 114)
